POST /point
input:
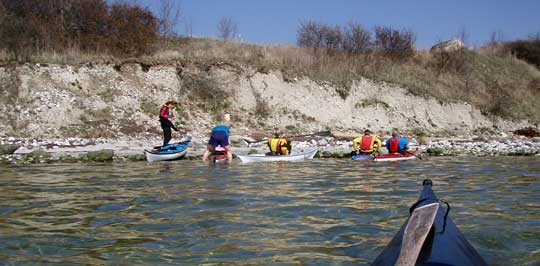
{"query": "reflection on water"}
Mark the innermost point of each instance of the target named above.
(322, 212)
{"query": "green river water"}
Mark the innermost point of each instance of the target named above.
(320, 212)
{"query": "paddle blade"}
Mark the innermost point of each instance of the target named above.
(415, 233)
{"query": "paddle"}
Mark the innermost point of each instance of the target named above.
(415, 154)
(319, 134)
(415, 234)
(188, 140)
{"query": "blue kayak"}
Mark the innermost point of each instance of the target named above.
(444, 245)
(362, 157)
(169, 152)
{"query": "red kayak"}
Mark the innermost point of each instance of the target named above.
(395, 157)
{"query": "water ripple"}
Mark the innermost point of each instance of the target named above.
(321, 212)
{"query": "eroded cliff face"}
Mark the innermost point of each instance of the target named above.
(122, 100)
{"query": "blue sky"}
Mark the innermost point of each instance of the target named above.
(276, 22)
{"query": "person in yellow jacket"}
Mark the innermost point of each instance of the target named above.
(279, 145)
(366, 143)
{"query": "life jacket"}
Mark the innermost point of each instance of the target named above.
(165, 113)
(278, 146)
(367, 143)
(393, 145)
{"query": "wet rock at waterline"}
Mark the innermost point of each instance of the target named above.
(6, 149)
(99, 156)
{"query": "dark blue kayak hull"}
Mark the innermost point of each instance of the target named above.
(445, 244)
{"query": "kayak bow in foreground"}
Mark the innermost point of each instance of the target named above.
(429, 237)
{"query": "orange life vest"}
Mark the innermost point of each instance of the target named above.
(393, 145)
(367, 142)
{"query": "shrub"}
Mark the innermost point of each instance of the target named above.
(30, 27)
(207, 92)
(527, 132)
(354, 38)
(149, 107)
(527, 50)
(418, 132)
(436, 151)
(452, 62)
(262, 109)
(310, 35)
(133, 30)
(534, 85)
(396, 44)
(371, 102)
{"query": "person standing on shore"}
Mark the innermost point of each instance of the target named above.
(366, 143)
(166, 119)
(220, 137)
(397, 144)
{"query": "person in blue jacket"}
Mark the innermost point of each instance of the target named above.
(397, 144)
(220, 137)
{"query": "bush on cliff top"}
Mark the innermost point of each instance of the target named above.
(527, 50)
(29, 27)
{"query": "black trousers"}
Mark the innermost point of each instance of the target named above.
(167, 134)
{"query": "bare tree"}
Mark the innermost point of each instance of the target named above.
(310, 34)
(170, 16)
(357, 38)
(535, 36)
(227, 29)
(496, 37)
(333, 37)
(188, 26)
(463, 35)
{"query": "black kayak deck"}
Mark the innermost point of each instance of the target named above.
(444, 245)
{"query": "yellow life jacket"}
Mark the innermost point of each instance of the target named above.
(366, 144)
(279, 146)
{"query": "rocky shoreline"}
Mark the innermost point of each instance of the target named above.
(71, 150)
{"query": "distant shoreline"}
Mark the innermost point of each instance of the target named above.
(54, 151)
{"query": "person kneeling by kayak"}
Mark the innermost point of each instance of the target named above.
(219, 137)
(397, 144)
(366, 143)
(279, 145)
(166, 118)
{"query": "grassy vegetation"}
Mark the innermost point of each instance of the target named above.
(371, 103)
(207, 93)
(101, 31)
(495, 82)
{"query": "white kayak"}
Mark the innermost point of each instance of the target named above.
(295, 156)
(156, 157)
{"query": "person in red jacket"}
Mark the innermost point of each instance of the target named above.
(166, 119)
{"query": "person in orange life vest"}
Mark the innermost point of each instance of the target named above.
(279, 145)
(166, 119)
(220, 137)
(366, 143)
(397, 144)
